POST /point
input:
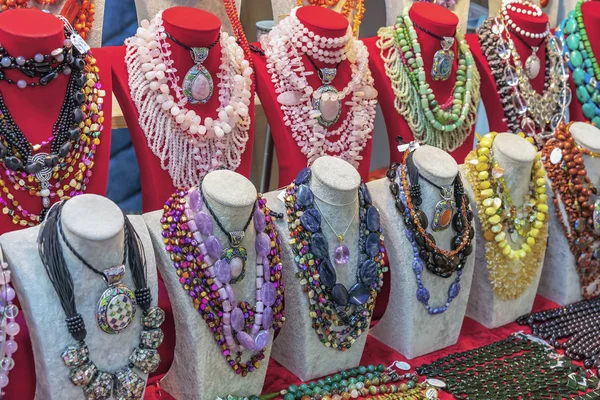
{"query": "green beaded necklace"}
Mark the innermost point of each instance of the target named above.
(444, 125)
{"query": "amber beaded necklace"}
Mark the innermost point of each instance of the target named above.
(347, 8)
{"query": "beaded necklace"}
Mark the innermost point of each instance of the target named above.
(354, 7)
(581, 60)
(447, 123)
(331, 304)
(572, 187)
(9, 328)
(511, 271)
(63, 171)
(205, 273)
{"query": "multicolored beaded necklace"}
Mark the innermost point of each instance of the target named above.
(581, 60)
(331, 304)
(206, 275)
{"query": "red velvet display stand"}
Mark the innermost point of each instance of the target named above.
(489, 92)
(442, 22)
(323, 22)
(26, 32)
(591, 20)
(195, 28)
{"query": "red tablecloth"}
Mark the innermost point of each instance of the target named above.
(472, 335)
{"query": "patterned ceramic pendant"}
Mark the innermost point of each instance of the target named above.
(116, 307)
(444, 210)
(533, 64)
(327, 99)
(198, 84)
(236, 257)
(596, 216)
(442, 60)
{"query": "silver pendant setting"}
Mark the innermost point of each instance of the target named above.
(236, 256)
(533, 64)
(596, 216)
(442, 60)
(444, 210)
(116, 307)
(43, 176)
(326, 99)
(198, 83)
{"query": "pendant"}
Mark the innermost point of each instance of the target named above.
(442, 60)
(533, 64)
(341, 252)
(43, 176)
(596, 216)
(116, 307)
(198, 83)
(236, 256)
(327, 99)
(444, 210)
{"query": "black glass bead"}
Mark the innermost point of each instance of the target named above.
(78, 115)
(13, 163)
(391, 173)
(47, 78)
(468, 249)
(417, 201)
(2, 75)
(64, 149)
(3, 151)
(394, 188)
(79, 98)
(420, 215)
(419, 239)
(79, 64)
(458, 223)
(471, 232)
(33, 168)
(400, 206)
(74, 133)
(81, 81)
(456, 242)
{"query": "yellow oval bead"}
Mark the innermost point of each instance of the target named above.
(540, 189)
(483, 159)
(487, 193)
(534, 232)
(525, 247)
(481, 167)
(494, 219)
(540, 216)
(530, 241)
(540, 173)
(483, 151)
(540, 182)
(483, 175)
(488, 202)
(512, 254)
(500, 237)
(503, 244)
(542, 208)
(490, 211)
(486, 142)
(538, 224)
(484, 185)
(506, 250)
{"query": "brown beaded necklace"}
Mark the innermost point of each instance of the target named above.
(572, 187)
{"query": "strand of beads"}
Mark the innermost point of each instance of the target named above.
(511, 271)
(531, 9)
(9, 328)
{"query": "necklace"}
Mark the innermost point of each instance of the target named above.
(124, 383)
(307, 111)
(198, 82)
(572, 187)
(531, 9)
(8, 326)
(511, 270)
(440, 123)
(235, 255)
(188, 147)
(442, 59)
(331, 304)
(236, 326)
(580, 58)
(341, 251)
(355, 7)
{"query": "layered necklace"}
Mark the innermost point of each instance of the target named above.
(59, 167)
(9, 328)
(339, 315)
(356, 8)
(442, 123)
(124, 382)
(187, 146)
(505, 224)
(525, 110)
(207, 273)
(405, 187)
(309, 112)
(580, 58)
(573, 188)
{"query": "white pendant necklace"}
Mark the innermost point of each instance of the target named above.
(187, 146)
(533, 64)
(308, 112)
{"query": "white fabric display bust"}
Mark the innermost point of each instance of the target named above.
(560, 282)
(94, 226)
(297, 346)
(199, 370)
(406, 326)
(515, 155)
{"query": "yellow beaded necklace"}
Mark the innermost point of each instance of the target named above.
(511, 271)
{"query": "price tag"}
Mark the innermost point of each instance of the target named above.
(281, 196)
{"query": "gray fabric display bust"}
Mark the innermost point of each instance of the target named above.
(406, 326)
(515, 155)
(298, 347)
(94, 226)
(560, 282)
(199, 369)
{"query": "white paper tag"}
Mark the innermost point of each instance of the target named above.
(281, 196)
(436, 383)
(79, 43)
(556, 156)
(404, 366)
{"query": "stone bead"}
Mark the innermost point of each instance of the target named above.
(238, 321)
(246, 340)
(203, 223)
(302, 176)
(195, 201)
(319, 246)
(267, 318)
(260, 221)
(222, 270)
(262, 340)
(262, 244)
(327, 273)
(340, 294)
(213, 247)
(372, 244)
(268, 294)
(359, 294)
(368, 272)
(311, 220)
(304, 196)
(373, 219)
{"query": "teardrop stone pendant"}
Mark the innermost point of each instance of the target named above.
(341, 252)
(442, 60)
(198, 84)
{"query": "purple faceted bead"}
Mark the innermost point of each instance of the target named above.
(267, 318)
(341, 254)
(195, 201)
(203, 223)
(214, 247)
(237, 319)
(262, 340)
(222, 271)
(268, 293)
(260, 222)
(262, 244)
(246, 340)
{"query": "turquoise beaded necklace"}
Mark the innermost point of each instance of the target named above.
(581, 60)
(444, 124)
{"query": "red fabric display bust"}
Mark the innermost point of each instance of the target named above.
(26, 32)
(325, 23)
(194, 28)
(441, 22)
(489, 92)
(591, 20)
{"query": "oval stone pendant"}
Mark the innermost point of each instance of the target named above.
(442, 60)
(327, 102)
(236, 257)
(533, 65)
(116, 307)
(198, 84)
(444, 210)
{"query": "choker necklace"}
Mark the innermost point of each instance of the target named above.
(9, 328)
(188, 147)
(235, 255)
(331, 304)
(198, 82)
(442, 59)
(236, 327)
(307, 112)
(124, 383)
